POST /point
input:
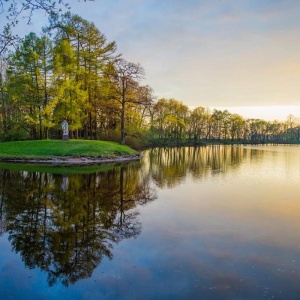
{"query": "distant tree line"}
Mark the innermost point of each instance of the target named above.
(171, 120)
(71, 72)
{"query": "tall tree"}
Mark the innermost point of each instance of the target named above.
(236, 126)
(197, 122)
(138, 115)
(3, 96)
(91, 53)
(30, 70)
(123, 77)
(69, 102)
(292, 125)
(170, 118)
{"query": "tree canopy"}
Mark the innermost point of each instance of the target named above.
(72, 72)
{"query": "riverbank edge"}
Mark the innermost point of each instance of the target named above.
(69, 160)
(87, 160)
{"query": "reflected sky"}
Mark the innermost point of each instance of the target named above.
(223, 224)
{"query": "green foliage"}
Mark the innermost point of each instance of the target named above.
(72, 72)
(48, 81)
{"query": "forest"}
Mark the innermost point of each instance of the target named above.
(71, 72)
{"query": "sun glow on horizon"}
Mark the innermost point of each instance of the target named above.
(268, 113)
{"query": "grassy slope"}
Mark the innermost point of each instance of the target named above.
(74, 148)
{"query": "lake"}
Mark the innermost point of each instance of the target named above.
(215, 222)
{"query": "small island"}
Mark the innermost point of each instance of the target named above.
(66, 152)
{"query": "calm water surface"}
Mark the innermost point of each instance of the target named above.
(214, 222)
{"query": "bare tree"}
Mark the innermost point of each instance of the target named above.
(123, 77)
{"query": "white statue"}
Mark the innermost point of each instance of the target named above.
(65, 128)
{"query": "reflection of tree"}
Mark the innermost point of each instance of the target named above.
(169, 166)
(66, 224)
(2, 193)
(126, 225)
(66, 227)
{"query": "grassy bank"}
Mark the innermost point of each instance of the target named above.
(48, 149)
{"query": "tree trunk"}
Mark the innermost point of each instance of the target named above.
(123, 133)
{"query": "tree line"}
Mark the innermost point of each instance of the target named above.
(172, 120)
(71, 72)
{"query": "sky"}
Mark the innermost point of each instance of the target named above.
(241, 55)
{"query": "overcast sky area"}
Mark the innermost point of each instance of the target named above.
(211, 53)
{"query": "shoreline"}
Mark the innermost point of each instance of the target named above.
(91, 160)
(69, 160)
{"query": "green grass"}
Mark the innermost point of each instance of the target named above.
(58, 148)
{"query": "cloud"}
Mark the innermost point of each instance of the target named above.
(209, 52)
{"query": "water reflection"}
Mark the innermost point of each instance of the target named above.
(65, 225)
(170, 166)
